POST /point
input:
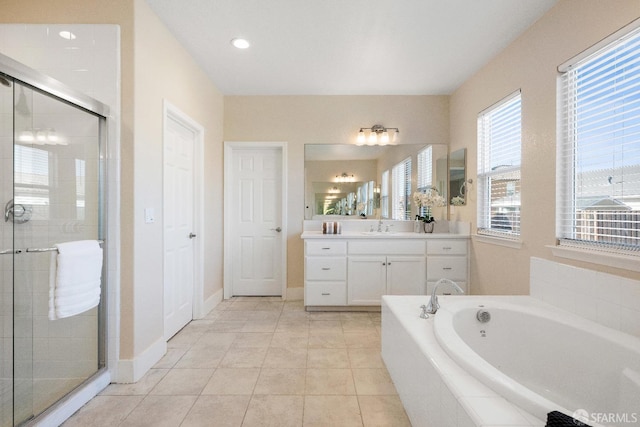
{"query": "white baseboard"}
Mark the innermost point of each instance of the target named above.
(130, 371)
(295, 294)
(211, 302)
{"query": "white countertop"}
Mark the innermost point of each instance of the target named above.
(383, 235)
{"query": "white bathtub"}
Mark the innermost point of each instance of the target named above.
(542, 358)
(530, 357)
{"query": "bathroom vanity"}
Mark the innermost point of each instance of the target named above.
(354, 269)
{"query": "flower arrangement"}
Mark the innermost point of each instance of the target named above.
(457, 201)
(429, 199)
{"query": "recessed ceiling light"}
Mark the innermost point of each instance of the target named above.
(68, 35)
(240, 43)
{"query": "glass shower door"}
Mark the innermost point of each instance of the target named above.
(54, 198)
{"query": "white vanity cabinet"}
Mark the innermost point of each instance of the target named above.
(382, 267)
(357, 269)
(325, 271)
(448, 259)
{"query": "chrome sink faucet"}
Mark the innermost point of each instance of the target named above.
(433, 305)
(379, 226)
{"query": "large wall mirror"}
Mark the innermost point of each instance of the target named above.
(347, 180)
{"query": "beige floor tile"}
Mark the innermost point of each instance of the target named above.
(216, 339)
(270, 306)
(373, 382)
(184, 339)
(232, 381)
(290, 340)
(104, 411)
(243, 305)
(227, 326)
(324, 315)
(354, 315)
(325, 326)
(281, 381)
(231, 315)
(383, 411)
(323, 411)
(264, 315)
(285, 357)
(293, 306)
(142, 387)
(327, 340)
(293, 326)
(365, 358)
(359, 326)
(252, 340)
(183, 382)
(294, 316)
(274, 411)
(202, 357)
(329, 381)
(218, 411)
(259, 326)
(362, 340)
(170, 358)
(244, 358)
(160, 411)
(328, 358)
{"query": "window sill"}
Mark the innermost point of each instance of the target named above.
(500, 241)
(623, 261)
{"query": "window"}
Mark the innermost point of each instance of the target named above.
(425, 173)
(384, 195)
(598, 197)
(499, 148)
(401, 194)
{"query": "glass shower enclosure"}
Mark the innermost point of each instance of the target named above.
(51, 191)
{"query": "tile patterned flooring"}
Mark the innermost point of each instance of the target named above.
(260, 362)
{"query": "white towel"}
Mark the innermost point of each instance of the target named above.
(74, 279)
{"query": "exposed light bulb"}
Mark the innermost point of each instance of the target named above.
(361, 138)
(384, 139)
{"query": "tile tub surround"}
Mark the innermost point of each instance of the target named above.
(436, 392)
(607, 299)
(260, 361)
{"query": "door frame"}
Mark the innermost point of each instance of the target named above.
(229, 148)
(171, 112)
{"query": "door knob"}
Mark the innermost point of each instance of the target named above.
(192, 235)
(278, 229)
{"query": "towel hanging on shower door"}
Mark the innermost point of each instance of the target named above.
(74, 278)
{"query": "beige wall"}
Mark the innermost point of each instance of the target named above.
(530, 64)
(165, 71)
(154, 67)
(300, 120)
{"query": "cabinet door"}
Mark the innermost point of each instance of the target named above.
(406, 275)
(366, 279)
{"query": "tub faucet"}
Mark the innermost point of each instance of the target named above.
(433, 305)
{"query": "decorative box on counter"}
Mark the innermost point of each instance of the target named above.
(331, 227)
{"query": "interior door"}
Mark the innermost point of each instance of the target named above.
(179, 144)
(256, 221)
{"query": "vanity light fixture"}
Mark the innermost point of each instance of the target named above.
(378, 135)
(345, 177)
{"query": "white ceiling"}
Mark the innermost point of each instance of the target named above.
(346, 47)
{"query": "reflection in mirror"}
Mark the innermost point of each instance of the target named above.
(457, 177)
(362, 193)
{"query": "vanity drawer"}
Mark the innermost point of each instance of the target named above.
(325, 247)
(387, 247)
(325, 268)
(448, 267)
(446, 247)
(325, 293)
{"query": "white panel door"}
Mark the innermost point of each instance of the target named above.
(256, 221)
(179, 142)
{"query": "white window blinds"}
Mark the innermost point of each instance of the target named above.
(598, 158)
(499, 158)
(401, 194)
(425, 174)
(384, 195)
